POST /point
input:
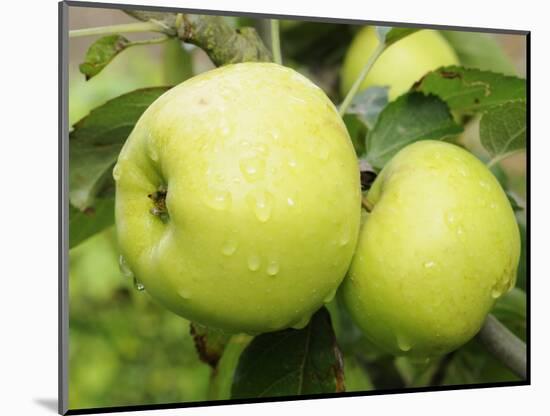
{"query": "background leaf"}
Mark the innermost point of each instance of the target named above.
(84, 224)
(368, 104)
(502, 130)
(390, 35)
(479, 50)
(471, 90)
(410, 118)
(101, 52)
(96, 140)
(291, 362)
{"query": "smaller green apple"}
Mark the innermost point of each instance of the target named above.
(399, 66)
(440, 245)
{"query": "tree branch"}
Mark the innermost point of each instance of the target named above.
(223, 44)
(504, 346)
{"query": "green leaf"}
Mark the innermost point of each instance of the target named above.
(368, 105)
(101, 53)
(96, 140)
(513, 199)
(471, 90)
(357, 131)
(410, 118)
(84, 224)
(479, 50)
(291, 362)
(502, 130)
(178, 65)
(390, 35)
(209, 343)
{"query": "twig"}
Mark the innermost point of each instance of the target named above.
(137, 27)
(357, 84)
(276, 42)
(504, 346)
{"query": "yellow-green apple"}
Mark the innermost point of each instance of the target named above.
(439, 246)
(238, 199)
(400, 65)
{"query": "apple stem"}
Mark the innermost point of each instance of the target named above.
(504, 345)
(367, 204)
(137, 27)
(275, 42)
(357, 84)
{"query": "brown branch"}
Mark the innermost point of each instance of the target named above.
(223, 44)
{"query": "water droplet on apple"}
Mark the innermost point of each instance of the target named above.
(450, 218)
(290, 201)
(272, 268)
(292, 163)
(184, 293)
(138, 285)
(124, 267)
(254, 263)
(403, 343)
(219, 200)
(116, 172)
(429, 264)
(328, 298)
(261, 202)
(484, 185)
(493, 205)
(344, 234)
(253, 168)
(229, 247)
(323, 150)
(302, 323)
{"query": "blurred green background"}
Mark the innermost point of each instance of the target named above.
(124, 348)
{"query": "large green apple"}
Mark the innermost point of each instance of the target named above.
(440, 245)
(399, 66)
(238, 199)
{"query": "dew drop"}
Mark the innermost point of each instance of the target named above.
(302, 323)
(429, 264)
(138, 285)
(254, 263)
(116, 172)
(272, 268)
(484, 185)
(184, 293)
(493, 205)
(292, 163)
(344, 234)
(450, 218)
(261, 202)
(153, 154)
(219, 200)
(229, 247)
(322, 150)
(253, 168)
(328, 298)
(290, 201)
(124, 268)
(496, 292)
(403, 343)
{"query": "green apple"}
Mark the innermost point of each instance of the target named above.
(439, 246)
(400, 65)
(238, 199)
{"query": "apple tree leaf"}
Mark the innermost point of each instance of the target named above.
(479, 50)
(209, 343)
(410, 118)
(101, 52)
(368, 104)
(291, 362)
(96, 140)
(471, 90)
(390, 35)
(502, 129)
(84, 224)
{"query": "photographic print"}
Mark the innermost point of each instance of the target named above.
(263, 208)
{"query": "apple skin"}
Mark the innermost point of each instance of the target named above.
(439, 247)
(263, 199)
(399, 66)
